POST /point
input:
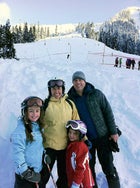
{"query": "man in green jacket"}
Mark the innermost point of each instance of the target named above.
(96, 112)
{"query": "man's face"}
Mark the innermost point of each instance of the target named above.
(79, 85)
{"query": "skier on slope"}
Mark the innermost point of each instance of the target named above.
(96, 112)
(27, 142)
(57, 112)
(77, 156)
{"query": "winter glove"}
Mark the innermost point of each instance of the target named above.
(88, 143)
(47, 159)
(74, 185)
(113, 146)
(118, 131)
(31, 176)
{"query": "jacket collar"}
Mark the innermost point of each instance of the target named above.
(89, 88)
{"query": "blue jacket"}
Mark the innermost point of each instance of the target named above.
(27, 154)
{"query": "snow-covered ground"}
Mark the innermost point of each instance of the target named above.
(43, 60)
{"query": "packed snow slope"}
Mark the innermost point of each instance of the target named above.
(47, 59)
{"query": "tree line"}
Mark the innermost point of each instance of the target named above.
(19, 34)
(121, 34)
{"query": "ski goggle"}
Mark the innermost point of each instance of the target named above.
(77, 125)
(73, 124)
(58, 83)
(32, 101)
(35, 102)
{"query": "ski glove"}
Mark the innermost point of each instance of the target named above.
(74, 185)
(89, 145)
(113, 146)
(31, 176)
(119, 131)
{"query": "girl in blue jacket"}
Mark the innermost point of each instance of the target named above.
(27, 143)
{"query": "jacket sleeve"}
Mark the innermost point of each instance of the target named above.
(18, 146)
(108, 114)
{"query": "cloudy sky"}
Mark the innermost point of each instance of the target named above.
(61, 11)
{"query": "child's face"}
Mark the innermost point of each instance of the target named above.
(73, 135)
(33, 113)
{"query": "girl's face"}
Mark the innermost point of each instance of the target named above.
(56, 92)
(73, 135)
(33, 113)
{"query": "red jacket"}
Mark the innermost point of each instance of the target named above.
(77, 165)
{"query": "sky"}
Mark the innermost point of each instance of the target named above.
(44, 60)
(52, 12)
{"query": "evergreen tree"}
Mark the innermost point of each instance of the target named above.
(7, 49)
(120, 35)
(25, 33)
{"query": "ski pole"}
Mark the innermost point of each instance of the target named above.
(47, 161)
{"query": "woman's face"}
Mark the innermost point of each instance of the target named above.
(56, 92)
(33, 113)
(73, 135)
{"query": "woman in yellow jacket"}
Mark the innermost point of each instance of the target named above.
(58, 110)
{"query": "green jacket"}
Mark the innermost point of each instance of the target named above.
(57, 113)
(99, 109)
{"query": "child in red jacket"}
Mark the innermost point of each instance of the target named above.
(77, 156)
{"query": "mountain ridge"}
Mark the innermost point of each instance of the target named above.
(127, 14)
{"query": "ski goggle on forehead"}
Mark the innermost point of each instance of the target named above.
(34, 102)
(76, 125)
(73, 124)
(58, 83)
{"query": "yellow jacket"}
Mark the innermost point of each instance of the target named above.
(58, 112)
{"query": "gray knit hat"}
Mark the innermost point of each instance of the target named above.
(78, 75)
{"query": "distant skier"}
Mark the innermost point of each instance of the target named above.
(138, 65)
(128, 63)
(133, 63)
(120, 62)
(68, 56)
(116, 62)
